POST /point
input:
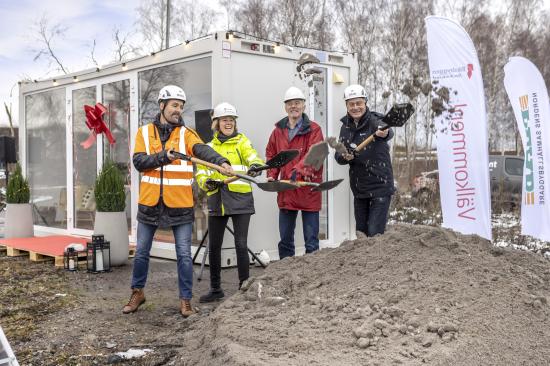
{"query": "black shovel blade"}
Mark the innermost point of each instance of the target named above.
(398, 115)
(325, 186)
(276, 186)
(281, 159)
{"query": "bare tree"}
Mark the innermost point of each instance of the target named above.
(295, 19)
(92, 53)
(359, 25)
(323, 36)
(151, 24)
(230, 7)
(255, 18)
(188, 20)
(46, 36)
(123, 47)
(192, 19)
(10, 119)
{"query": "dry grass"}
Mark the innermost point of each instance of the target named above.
(28, 293)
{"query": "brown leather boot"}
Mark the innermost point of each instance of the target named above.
(137, 298)
(185, 308)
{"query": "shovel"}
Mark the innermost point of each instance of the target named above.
(264, 186)
(316, 155)
(397, 116)
(210, 165)
(317, 187)
(279, 160)
(276, 186)
(338, 146)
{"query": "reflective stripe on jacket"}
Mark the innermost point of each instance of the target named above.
(174, 178)
(235, 197)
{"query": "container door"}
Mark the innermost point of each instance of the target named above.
(81, 161)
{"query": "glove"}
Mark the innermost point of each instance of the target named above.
(253, 172)
(306, 172)
(212, 185)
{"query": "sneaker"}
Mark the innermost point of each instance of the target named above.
(137, 298)
(212, 295)
(185, 308)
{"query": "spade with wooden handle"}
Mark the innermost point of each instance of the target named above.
(274, 186)
(210, 165)
(397, 116)
(279, 160)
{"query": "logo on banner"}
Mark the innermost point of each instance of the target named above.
(529, 184)
(454, 72)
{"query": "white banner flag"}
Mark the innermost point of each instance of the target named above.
(529, 97)
(461, 125)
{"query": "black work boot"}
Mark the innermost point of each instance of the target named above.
(213, 295)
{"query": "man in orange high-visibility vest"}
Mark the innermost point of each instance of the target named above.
(165, 194)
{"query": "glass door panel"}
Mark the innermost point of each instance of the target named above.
(84, 161)
(319, 103)
(116, 97)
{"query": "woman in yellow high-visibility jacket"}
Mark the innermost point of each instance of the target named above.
(233, 200)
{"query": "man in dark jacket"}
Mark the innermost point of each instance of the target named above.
(165, 195)
(370, 170)
(296, 131)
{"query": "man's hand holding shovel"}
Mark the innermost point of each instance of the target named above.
(223, 168)
(228, 170)
(382, 133)
(348, 156)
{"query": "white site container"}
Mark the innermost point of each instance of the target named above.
(224, 67)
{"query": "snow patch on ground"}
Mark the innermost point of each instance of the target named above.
(134, 353)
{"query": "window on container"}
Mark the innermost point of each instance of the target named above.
(195, 78)
(46, 156)
(116, 98)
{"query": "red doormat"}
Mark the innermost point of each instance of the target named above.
(53, 245)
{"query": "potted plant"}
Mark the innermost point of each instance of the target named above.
(18, 222)
(110, 218)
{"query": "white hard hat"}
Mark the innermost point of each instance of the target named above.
(355, 91)
(294, 93)
(264, 257)
(171, 92)
(223, 110)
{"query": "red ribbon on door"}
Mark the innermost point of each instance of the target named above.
(94, 121)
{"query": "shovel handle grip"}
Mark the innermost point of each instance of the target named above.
(364, 144)
(230, 180)
(198, 161)
(300, 183)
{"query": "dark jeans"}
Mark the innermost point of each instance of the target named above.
(182, 236)
(371, 214)
(287, 225)
(216, 229)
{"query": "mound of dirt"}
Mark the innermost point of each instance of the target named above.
(416, 295)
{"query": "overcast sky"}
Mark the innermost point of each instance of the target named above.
(85, 20)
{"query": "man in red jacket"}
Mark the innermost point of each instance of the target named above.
(296, 131)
